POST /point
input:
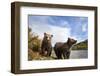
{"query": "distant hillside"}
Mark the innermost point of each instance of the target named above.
(81, 46)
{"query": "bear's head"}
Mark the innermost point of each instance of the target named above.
(71, 41)
(47, 37)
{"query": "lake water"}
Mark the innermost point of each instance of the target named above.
(79, 54)
(76, 54)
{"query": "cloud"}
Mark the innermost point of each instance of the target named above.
(84, 27)
(61, 34)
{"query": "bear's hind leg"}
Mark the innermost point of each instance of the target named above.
(66, 55)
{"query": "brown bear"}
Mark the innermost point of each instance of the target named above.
(46, 46)
(63, 49)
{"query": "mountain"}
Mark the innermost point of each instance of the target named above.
(81, 46)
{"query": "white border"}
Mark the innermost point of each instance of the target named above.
(25, 64)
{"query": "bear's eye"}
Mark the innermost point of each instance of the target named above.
(46, 37)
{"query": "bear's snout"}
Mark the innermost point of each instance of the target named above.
(48, 38)
(75, 41)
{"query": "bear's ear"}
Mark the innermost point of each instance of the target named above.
(51, 35)
(68, 38)
(44, 33)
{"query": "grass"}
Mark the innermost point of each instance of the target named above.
(34, 55)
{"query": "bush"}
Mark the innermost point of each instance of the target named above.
(34, 42)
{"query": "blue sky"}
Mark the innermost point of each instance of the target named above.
(61, 27)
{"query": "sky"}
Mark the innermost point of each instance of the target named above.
(61, 27)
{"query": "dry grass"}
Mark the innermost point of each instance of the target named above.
(33, 55)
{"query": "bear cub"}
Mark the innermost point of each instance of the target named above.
(63, 49)
(46, 46)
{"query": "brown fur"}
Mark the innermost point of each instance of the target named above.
(63, 49)
(46, 46)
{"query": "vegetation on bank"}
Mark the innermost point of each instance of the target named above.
(33, 45)
(81, 46)
(33, 41)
